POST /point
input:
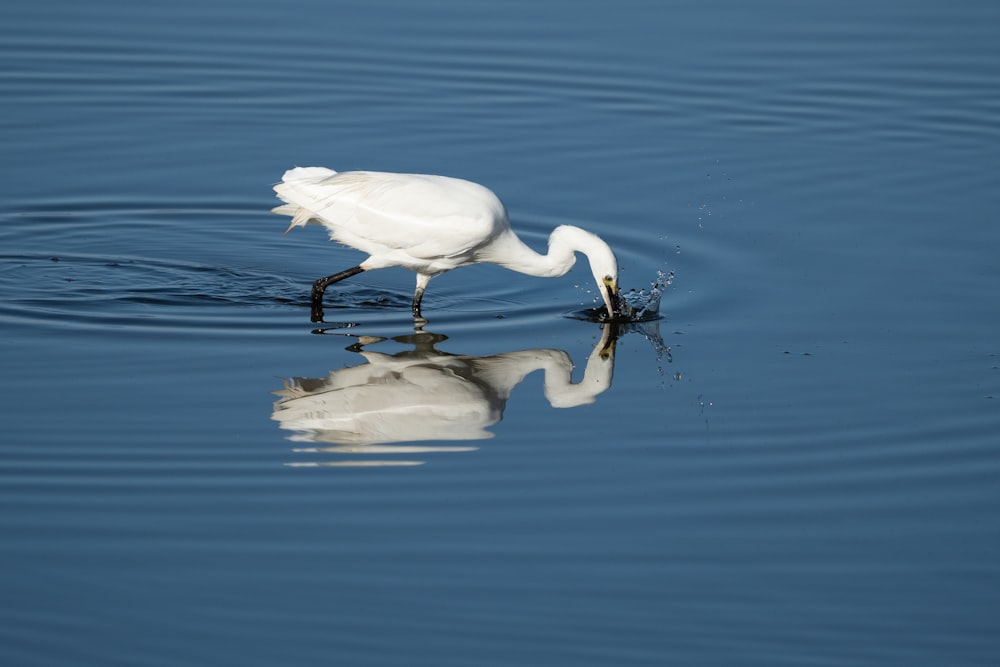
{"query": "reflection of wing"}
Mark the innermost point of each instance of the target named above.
(425, 394)
(414, 403)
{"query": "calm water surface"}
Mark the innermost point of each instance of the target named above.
(797, 464)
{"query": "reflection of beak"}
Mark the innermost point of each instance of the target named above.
(609, 337)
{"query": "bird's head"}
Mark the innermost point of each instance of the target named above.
(609, 291)
(567, 240)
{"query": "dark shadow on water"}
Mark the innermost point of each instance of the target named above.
(62, 278)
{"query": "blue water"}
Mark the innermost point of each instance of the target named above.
(796, 464)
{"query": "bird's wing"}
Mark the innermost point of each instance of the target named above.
(428, 217)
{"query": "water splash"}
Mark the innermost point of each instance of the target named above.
(635, 305)
(639, 305)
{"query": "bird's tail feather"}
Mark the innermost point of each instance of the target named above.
(300, 216)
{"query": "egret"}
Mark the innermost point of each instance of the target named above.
(430, 225)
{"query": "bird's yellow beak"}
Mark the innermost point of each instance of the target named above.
(612, 287)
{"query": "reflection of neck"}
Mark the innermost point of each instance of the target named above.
(505, 371)
(562, 393)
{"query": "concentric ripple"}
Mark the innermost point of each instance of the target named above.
(87, 265)
(220, 267)
(102, 290)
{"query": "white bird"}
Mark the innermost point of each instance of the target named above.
(430, 225)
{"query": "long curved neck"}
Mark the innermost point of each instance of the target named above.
(564, 242)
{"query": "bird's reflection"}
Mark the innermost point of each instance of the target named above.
(423, 394)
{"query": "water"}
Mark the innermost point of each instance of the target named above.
(795, 463)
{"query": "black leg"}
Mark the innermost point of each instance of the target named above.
(417, 296)
(319, 287)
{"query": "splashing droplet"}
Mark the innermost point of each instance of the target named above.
(635, 305)
(643, 305)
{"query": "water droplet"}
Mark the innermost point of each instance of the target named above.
(642, 305)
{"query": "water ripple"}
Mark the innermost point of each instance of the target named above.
(223, 266)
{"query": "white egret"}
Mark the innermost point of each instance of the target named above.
(430, 225)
